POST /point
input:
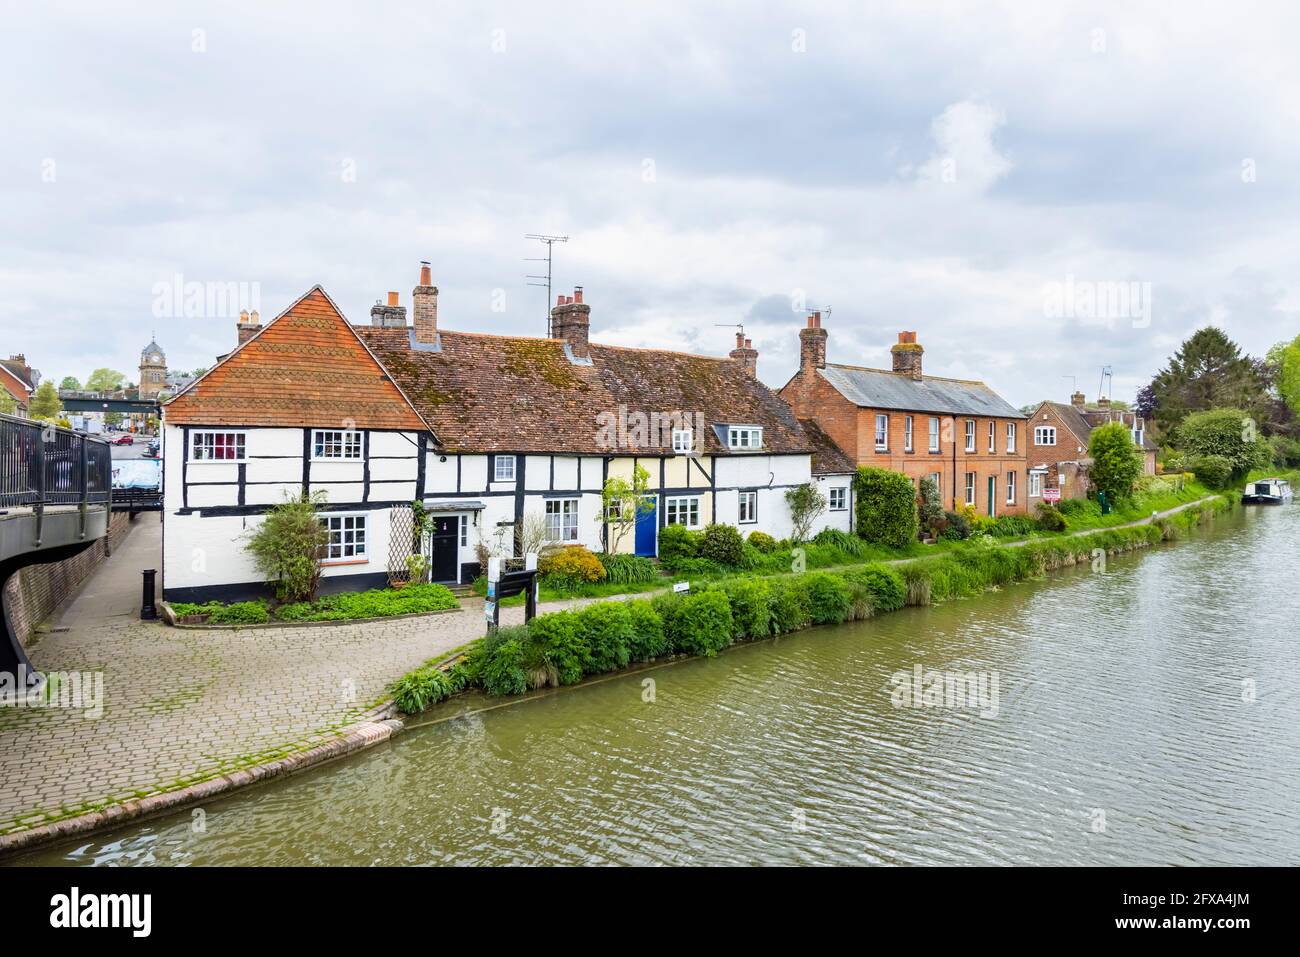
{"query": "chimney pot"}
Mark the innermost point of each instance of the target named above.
(243, 315)
(740, 340)
(812, 343)
(571, 321)
(392, 298)
(426, 274)
(577, 294)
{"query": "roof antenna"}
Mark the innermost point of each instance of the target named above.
(550, 248)
(1074, 383)
(1102, 391)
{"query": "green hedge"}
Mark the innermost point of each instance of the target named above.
(885, 507)
(563, 647)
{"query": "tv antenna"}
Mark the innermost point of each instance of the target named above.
(538, 280)
(732, 325)
(1074, 383)
(1106, 376)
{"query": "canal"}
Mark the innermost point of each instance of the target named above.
(1146, 713)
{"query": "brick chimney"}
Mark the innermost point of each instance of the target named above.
(812, 343)
(391, 315)
(1079, 400)
(1103, 403)
(746, 355)
(249, 325)
(571, 321)
(424, 307)
(907, 354)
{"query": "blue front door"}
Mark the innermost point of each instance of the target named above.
(647, 527)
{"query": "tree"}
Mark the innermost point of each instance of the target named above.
(621, 502)
(885, 507)
(1285, 356)
(45, 403)
(71, 383)
(287, 547)
(806, 503)
(112, 418)
(1146, 402)
(1206, 372)
(105, 380)
(1115, 462)
(1227, 433)
(7, 404)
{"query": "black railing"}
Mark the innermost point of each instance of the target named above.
(43, 464)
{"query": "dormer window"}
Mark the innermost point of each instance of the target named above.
(683, 441)
(745, 438)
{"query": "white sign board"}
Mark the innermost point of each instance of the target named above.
(681, 586)
(1051, 494)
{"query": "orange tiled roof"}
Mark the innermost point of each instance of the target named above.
(307, 367)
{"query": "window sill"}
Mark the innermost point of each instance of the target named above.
(216, 461)
(356, 461)
(345, 561)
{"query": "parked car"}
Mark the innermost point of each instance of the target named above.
(123, 439)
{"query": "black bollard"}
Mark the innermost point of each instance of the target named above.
(148, 610)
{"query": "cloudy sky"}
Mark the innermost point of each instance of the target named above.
(972, 173)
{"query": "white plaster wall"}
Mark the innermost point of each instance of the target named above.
(828, 519)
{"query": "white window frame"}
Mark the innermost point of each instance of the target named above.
(1044, 435)
(970, 435)
(562, 521)
(1011, 488)
(907, 433)
(1035, 484)
(237, 438)
(348, 440)
(749, 498)
(882, 432)
(840, 492)
(359, 524)
(971, 481)
(993, 436)
(497, 462)
(938, 483)
(676, 505)
(1011, 438)
(683, 441)
(751, 434)
(934, 433)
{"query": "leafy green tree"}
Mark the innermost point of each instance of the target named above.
(1208, 371)
(1115, 462)
(621, 502)
(112, 418)
(45, 403)
(1229, 433)
(71, 383)
(105, 380)
(7, 404)
(806, 503)
(288, 545)
(1286, 358)
(885, 504)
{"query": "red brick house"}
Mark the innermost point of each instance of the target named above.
(16, 380)
(1058, 436)
(959, 431)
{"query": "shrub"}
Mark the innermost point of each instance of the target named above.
(503, 672)
(790, 605)
(931, 509)
(1050, 518)
(850, 545)
(562, 641)
(751, 610)
(886, 507)
(628, 569)
(919, 582)
(648, 640)
(762, 542)
(828, 598)
(287, 546)
(240, 613)
(694, 567)
(607, 629)
(888, 590)
(418, 689)
(677, 541)
(1213, 471)
(376, 603)
(570, 567)
(958, 528)
(1115, 462)
(1226, 433)
(699, 623)
(1285, 450)
(722, 544)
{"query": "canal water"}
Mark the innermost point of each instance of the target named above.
(1147, 713)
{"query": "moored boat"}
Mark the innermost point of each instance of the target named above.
(1269, 491)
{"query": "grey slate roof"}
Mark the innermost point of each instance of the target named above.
(882, 389)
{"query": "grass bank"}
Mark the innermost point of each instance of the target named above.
(563, 648)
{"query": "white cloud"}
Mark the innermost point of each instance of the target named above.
(967, 157)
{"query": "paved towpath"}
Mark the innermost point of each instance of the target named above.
(183, 705)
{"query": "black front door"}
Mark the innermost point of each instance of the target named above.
(444, 547)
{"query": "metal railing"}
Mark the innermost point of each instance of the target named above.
(42, 464)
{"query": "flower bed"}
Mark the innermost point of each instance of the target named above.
(345, 606)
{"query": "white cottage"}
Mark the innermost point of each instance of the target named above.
(489, 433)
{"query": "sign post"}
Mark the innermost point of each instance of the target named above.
(504, 584)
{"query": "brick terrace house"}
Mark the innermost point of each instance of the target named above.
(958, 431)
(1058, 443)
(488, 432)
